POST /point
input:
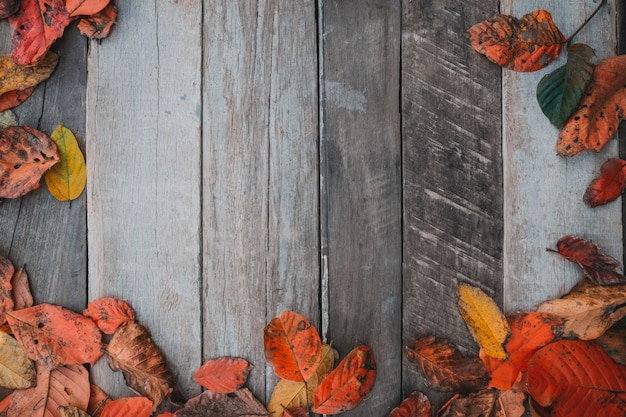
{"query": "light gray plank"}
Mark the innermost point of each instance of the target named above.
(543, 192)
(143, 159)
(260, 190)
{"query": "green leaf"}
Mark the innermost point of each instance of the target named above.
(67, 179)
(560, 91)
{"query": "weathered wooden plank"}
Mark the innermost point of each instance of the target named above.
(144, 178)
(46, 235)
(360, 154)
(452, 195)
(543, 192)
(260, 192)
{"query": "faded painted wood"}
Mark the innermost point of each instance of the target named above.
(452, 180)
(144, 189)
(543, 192)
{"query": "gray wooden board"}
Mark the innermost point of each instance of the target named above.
(452, 172)
(260, 174)
(48, 236)
(360, 151)
(144, 161)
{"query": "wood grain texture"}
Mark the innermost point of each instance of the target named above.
(360, 153)
(260, 170)
(452, 178)
(143, 159)
(543, 192)
(46, 235)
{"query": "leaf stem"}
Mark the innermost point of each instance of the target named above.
(602, 3)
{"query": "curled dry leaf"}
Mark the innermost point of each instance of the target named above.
(67, 179)
(72, 412)
(241, 403)
(608, 185)
(16, 370)
(97, 400)
(25, 154)
(22, 297)
(223, 375)
(598, 267)
(481, 403)
(346, 386)
(123, 407)
(110, 313)
(526, 44)
(445, 369)
(6, 296)
(98, 26)
(415, 405)
(53, 335)
(292, 346)
(14, 76)
(132, 351)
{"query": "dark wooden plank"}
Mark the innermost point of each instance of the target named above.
(361, 186)
(46, 235)
(452, 171)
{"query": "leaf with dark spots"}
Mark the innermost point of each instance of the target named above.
(109, 313)
(415, 405)
(14, 98)
(608, 185)
(98, 26)
(481, 403)
(6, 294)
(223, 375)
(209, 404)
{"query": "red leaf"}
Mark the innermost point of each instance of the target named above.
(6, 296)
(14, 98)
(98, 26)
(85, 7)
(607, 186)
(110, 313)
(346, 386)
(223, 375)
(53, 335)
(125, 407)
(415, 405)
(598, 267)
(22, 297)
(292, 346)
(35, 26)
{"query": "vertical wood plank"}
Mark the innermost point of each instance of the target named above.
(46, 235)
(260, 184)
(452, 162)
(543, 192)
(360, 153)
(143, 158)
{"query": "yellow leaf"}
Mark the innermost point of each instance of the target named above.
(66, 180)
(19, 77)
(484, 319)
(289, 394)
(16, 370)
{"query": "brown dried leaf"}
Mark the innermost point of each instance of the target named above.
(6, 297)
(97, 400)
(209, 404)
(481, 403)
(22, 297)
(72, 412)
(613, 341)
(415, 405)
(8, 8)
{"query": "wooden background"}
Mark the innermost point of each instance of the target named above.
(350, 160)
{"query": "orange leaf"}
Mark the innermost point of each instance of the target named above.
(124, 407)
(577, 378)
(415, 405)
(292, 346)
(35, 26)
(14, 98)
(530, 332)
(97, 400)
(22, 297)
(346, 386)
(598, 267)
(98, 26)
(607, 186)
(85, 7)
(53, 335)
(445, 368)
(223, 375)
(25, 154)
(109, 313)
(600, 111)
(526, 44)
(61, 387)
(6, 296)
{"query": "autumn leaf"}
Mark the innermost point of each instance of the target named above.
(85, 7)
(292, 346)
(613, 341)
(67, 179)
(599, 268)
(526, 44)
(293, 394)
(65, 386)
(484, 319)
(608, 185)
(223, 375)
(445, 369)
(35, 27)
(295, 412)
(14, 98)
(98, 26)
(559, 92)
(25, 154)
(600, 111)
(6, 296)
(529, 332)
(415, 405)
(132, 351)
(22, 297)
(588, 310)
(72, 412)
(19, 77)
(53, 335)
(110, 313)
(346, 386)
(16, 370)
(577, 378)
(241, 403)
(123, 407)
(7, 119)
(511, 403)
(8, 8)
(97, 400)
(481, 403)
